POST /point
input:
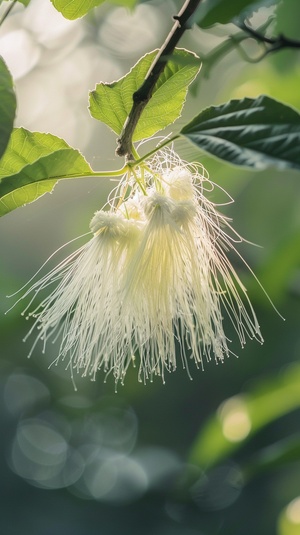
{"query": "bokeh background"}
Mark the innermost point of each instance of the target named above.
(216, 454)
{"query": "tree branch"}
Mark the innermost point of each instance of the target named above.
(275, 43)
(142, 96)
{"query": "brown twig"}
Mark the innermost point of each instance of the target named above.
(142, 96)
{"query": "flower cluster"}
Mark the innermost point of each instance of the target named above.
(152, 284)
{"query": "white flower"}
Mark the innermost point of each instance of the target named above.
(84, 307)
(152, 284)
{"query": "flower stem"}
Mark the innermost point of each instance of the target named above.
(153, 151)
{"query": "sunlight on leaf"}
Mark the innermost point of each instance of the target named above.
(289, 519)
(31, 166)
(112, 102)
(255, 133)
(265, 403)
(74, 9)
(125, 3)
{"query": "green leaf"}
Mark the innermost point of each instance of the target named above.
(222, 11)
(111, 103)
(239, 418)
(125, 3)
(73, 9)
(255, 133)
(288, 520)
(31, 166)
(7, 106)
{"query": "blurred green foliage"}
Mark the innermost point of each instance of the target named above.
(215, 455)
(7, 105)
